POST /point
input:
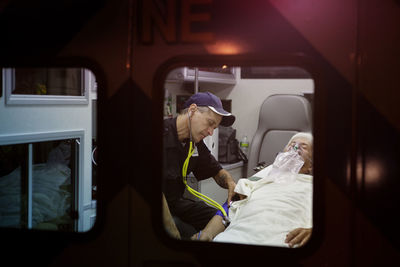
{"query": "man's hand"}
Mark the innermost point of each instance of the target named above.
(298, 236)
(241, 197)
(202, 236)
(231, 192)
(225, 180)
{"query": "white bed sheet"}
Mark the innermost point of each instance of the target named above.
(49, 199)
(270, 211)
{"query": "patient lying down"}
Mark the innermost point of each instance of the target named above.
(275, 206)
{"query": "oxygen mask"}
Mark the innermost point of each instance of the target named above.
(287, 164)
(296, 148)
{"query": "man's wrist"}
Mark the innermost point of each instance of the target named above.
(206, 236)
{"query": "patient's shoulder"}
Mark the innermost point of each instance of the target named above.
(305, 177)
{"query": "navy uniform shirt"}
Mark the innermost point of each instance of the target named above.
(203, 166)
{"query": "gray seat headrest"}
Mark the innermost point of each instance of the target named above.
(281, 116)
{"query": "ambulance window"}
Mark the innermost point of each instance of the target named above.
(271, 104)
(48, 153)
(274, 72)
(38, 185)
(45, 86)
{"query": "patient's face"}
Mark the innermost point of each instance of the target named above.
(305, 151)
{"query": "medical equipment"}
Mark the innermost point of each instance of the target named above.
(225, 219)
(296, 147)
(194, 192)
(287, 165)
(290, 161)
(260, 166)
(184, 177)
(198, 236)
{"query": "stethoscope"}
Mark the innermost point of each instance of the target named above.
(192, 148)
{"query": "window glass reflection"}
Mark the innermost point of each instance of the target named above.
(49, 81)
(36, 185)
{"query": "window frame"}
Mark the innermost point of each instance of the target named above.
(31, 138)
(298, 60)
(25, 99)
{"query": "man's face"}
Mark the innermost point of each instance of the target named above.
(305, 151)
(203, 124)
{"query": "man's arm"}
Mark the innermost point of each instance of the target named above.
(168, 221)
(225, 180)
(213, 228)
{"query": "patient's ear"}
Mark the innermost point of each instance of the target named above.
(309, 169)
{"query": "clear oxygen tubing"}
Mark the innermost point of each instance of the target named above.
(184, 176)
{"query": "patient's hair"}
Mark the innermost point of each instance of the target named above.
(305, 135)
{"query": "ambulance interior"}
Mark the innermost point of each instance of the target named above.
(271, 104)
(48, 149)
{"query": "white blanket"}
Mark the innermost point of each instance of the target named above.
(49, 199)
(271, 210)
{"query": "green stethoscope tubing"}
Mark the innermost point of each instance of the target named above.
(194, 192)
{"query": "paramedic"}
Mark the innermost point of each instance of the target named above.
(203, 112)
(297, 237)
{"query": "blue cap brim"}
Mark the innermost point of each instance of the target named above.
(227, 118)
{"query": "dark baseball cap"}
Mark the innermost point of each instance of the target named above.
(207, 99)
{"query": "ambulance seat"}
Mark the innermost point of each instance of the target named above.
(281, 116)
